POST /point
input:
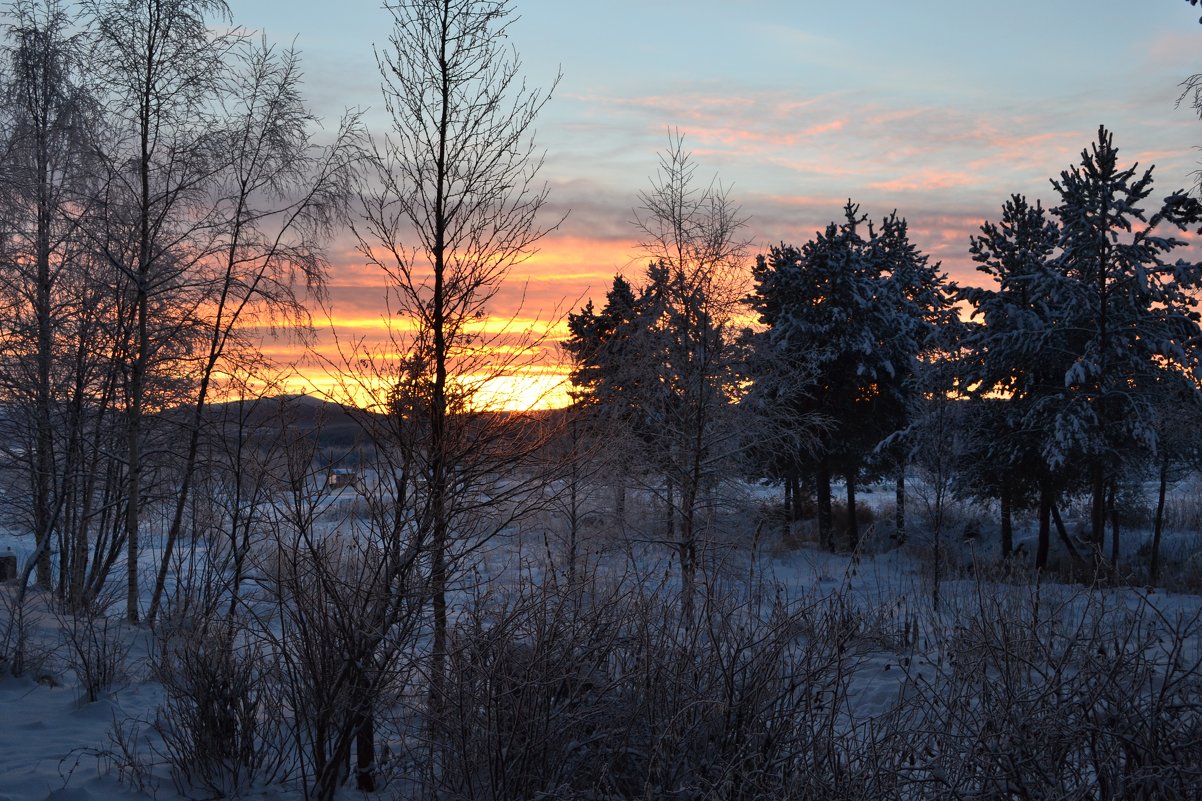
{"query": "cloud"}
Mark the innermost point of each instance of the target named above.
(792, 158)
(926, 181)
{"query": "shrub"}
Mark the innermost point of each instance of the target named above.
(96, 646)
(22, 652)
(601, 690)
(1061, 697)
(218, 721)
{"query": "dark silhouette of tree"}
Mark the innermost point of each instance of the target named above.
(455, 207)
(610, 383)
(163, 73)
(277, 198)
(49, 120)
(925, 331)
(1132, 308)
(852, 310)
(1089, 313)
(603, 347)
(1014, 349)
(660, 358)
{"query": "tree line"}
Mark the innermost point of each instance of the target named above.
(164, 193)
(166, 196)
(1067, 371)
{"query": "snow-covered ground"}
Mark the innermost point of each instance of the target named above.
(898, 641)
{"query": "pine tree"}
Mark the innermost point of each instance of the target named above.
(923, 329)
(1090, 314)
(1132, 309)
(1014, 348)
(601, 345)
(851, 310)
(608, 394)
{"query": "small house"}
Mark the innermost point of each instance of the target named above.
(340, 477)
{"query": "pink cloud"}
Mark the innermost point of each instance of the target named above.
(926, 181)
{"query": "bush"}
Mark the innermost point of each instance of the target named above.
(1061, 697)
(23, 649)
(597, 688)
(840, 517)
(96, 646)
(219, 720)
(347, 612)
(600, 690)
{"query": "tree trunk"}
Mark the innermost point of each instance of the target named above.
(573, 502)
(133, 500)
(1007, 522)
(853, 526)
(823, 489)
(688, 566)
(365, 753)
(1045, 526)
(44, 460)
(788, 497)
(797, 512)
(620, 505)
(141, 357)
(439, 478)
(1158, 525)
(1097, 517)
(1062, 532)
(669, 509)
(438, 649)
(1112, 509)
(899, 495)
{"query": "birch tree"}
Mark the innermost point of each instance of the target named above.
(661, 361)
(44, 174)
(165, 76)
(455, 206)
(274, 204)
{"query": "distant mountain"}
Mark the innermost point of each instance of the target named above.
(340, 428)
(330, 423)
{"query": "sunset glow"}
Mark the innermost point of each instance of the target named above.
(921, 108)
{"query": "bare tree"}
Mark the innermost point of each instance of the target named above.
(275, 204)
(693, 236)
(349, 597)
(454, 209)
(165, 75)
(44, 172)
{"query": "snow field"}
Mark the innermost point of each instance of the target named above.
(805, 674)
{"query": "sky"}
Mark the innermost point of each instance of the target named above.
(939, 109)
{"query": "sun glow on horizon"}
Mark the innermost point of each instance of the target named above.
(515, 362)
(525, 389)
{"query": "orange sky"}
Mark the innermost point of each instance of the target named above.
(532, 305)
(939, 109)
(564, 274)
(530, 311)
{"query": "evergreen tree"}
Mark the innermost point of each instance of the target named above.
(851, 310)
(1130, 306)
(609, 391)
(1013, 348)
(924, 329)
(601, 345)
(664, 357)
(1089, 315)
